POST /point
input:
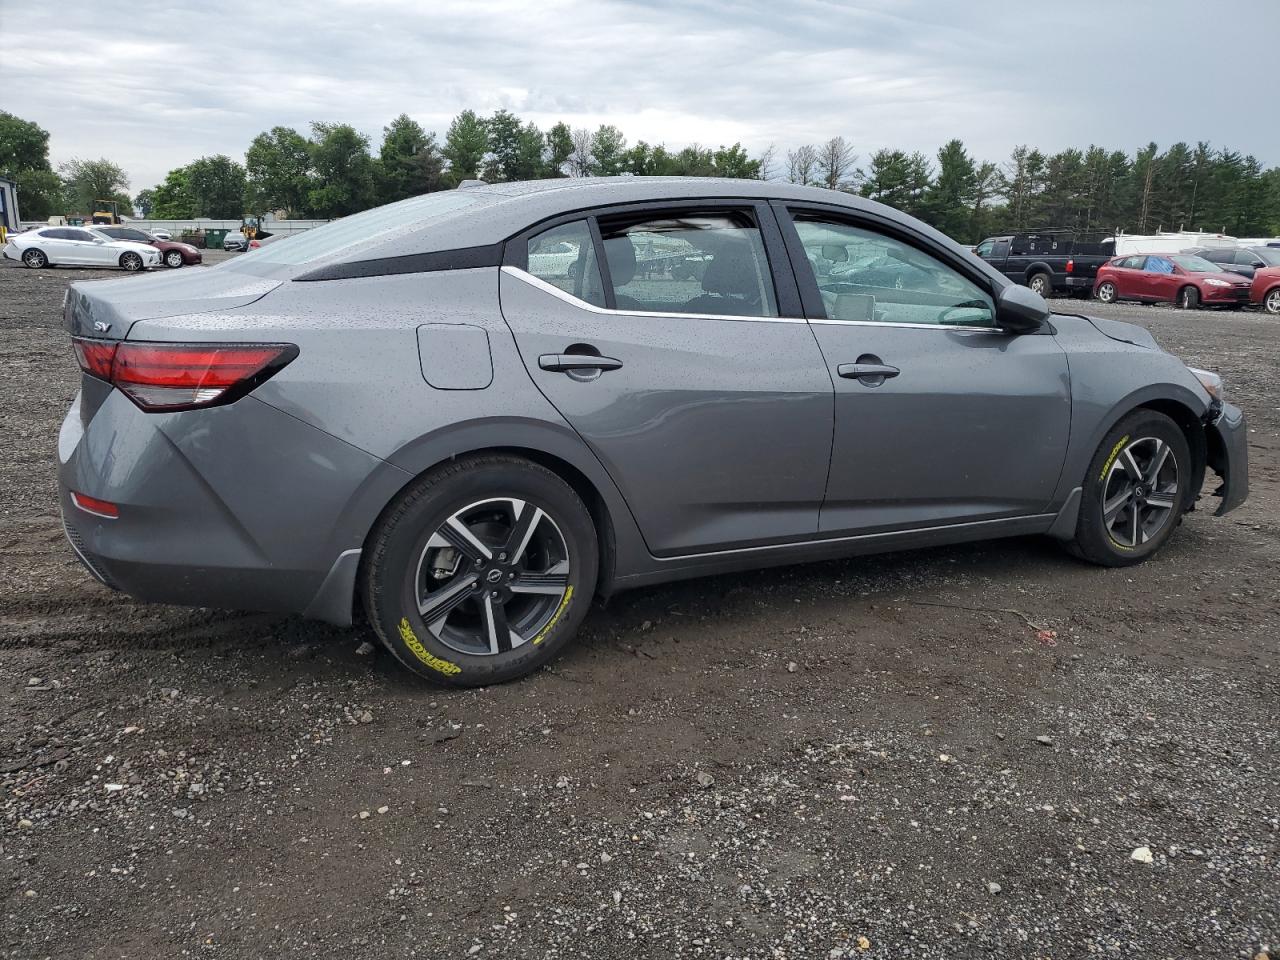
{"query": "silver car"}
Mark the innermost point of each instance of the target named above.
(418, 413)
(79, 247)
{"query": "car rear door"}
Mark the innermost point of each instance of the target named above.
(939, 417)
(675, 346)
(57, 245)
(1129, 278)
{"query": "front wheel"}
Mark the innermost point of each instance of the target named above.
(482, 571)
(1135, 492)
(131, 262)
(1188, 298)
(1271, 302)
(173, 259)
(1107, 292)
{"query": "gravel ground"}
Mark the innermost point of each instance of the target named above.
(879, 757)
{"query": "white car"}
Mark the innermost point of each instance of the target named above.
(78, 247)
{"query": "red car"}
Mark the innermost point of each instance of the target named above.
(1266, 289)
(1180, 278)
(172, 253)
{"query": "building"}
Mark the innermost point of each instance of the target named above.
(8, 204)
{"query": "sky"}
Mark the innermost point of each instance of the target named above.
(174, 81)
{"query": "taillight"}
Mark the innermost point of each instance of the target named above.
(182, 376)
(1071, 265)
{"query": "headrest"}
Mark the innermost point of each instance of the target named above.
(730, 272)
(621, 254)
(835, 252)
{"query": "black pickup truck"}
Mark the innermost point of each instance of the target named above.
(1047, 262)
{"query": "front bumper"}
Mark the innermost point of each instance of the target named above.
(1219, 295)
(1227, 434)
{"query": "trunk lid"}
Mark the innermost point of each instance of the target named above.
(107, 309)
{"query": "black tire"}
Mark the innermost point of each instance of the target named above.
(1188, 298)
(130, 262)
(173, 259)
(1271, 301)
(412, 547)
(35, 259)
(1041, 283)
(1133, 446)
(1108, 292)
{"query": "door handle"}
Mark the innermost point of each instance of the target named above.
(861, 371)
(567, 362)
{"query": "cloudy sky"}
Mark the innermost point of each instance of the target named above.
(172, 81)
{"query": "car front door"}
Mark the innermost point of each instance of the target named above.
(1160, 279)
(89, 250)
(940, 418)
(690, 373)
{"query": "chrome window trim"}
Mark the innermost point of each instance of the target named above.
(551, 288)
(951, 327)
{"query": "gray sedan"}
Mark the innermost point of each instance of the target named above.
(471, 412)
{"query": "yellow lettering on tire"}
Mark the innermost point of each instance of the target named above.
(1115, 452)
(555, 617)
(422, 653)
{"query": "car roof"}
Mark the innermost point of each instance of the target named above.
(505, 209)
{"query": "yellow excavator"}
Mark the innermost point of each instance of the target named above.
(106, 212)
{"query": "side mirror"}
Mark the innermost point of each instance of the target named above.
(1020, 310)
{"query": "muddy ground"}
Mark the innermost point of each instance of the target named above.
(875, 757)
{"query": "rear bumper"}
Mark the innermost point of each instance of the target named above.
(1227, 436)
(240, 507)
(1077, 284)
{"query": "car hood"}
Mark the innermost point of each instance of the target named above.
(108, 308)
(1235, 278)
(1124, 332)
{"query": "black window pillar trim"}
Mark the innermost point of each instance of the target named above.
(460, 258)
(602, 264)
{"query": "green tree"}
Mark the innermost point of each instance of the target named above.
(144, 203)
(278, 168)
(411, 161)
(608, 151)
(560, 147)
(898, 179)
(465, 145)
(734, 162)
(172, 197)
(24, 159)
(515, 149)
(344, 170)
(216, 186)
(948, 200)
(87, 181)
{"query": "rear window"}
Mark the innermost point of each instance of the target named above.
(323, 242)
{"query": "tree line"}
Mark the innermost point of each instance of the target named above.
(333, 171)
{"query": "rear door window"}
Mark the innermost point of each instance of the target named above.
(687, 261)
(565, 257)
(1159, 265)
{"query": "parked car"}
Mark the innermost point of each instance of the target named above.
(1242, 260)
(237, 241)
(171, 254)
(397, 411)
(1048, 262)
(79, 247)
(1181, 278)
(1264, 290)
(162, 234)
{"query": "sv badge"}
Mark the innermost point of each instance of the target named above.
(101, 326)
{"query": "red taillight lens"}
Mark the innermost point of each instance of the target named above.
(1071, 266)
(182, 376)
(99, 508)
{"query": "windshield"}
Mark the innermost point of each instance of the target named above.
(359, 228)
(1269, 255)
(1197, 264)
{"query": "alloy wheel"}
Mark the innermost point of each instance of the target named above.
(1272, 302)
(173, 258)
(131, 262)
(34, 258)
(1140, 492)
(492, 576)
(1106, 293)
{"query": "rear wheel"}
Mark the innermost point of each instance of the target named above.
(1188, 298)
(1135, 491)
(131, 262)
(35, 259)
(1271, 302)
(482, 571)
(1107, 292)
(1041, 283)
(173, 259)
